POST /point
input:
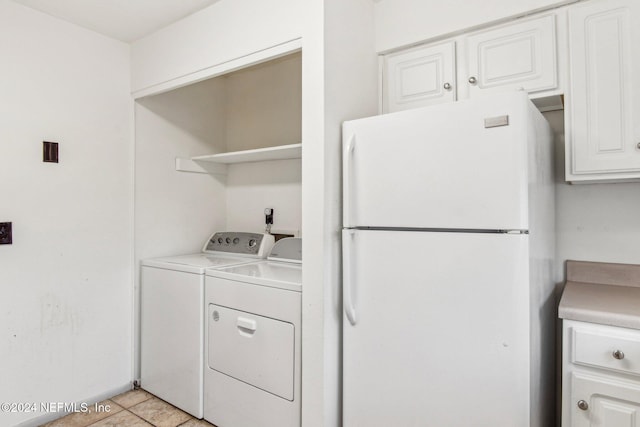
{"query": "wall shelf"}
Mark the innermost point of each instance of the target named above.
(215, 163)
(281, 152)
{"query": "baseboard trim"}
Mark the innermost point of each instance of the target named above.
(45, 418)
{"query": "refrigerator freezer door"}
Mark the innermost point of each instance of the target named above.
(441, 332)
(439, 166)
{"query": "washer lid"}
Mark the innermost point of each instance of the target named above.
(195, 263)
(275, 274)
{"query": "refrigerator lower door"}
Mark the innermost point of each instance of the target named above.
(436, 329)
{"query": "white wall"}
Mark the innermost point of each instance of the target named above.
(264, 104)
(224, 31)
(65, 283)
(599, 222)
(175, 211)
(405, 22)
(263, 108)
(251, 187)
(339, 71)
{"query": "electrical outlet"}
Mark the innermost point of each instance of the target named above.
(6, 237)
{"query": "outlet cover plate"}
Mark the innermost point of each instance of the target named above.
(6, 236)
(49, 152)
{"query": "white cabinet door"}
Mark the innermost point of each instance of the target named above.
(603, 402)
(513, 57)
(419, 77)
(604, 101)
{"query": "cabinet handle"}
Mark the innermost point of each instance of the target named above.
(618, 355)
(583, 405)
(473, 80)
(447, 86)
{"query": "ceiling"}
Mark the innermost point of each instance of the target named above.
(125, 20)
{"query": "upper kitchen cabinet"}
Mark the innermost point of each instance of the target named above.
(604, 99)
(214, 41)
(521, 55)
(419, 77)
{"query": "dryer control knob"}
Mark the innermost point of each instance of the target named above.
(236, 241)
(252, 243)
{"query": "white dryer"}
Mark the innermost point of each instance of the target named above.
(252, 371)
(172, 315)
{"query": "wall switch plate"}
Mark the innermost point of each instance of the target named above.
(49, 152)
(6, 236)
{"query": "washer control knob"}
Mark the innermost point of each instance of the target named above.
(236, 241)
(228, 240)
(220, 240)
(252, 243)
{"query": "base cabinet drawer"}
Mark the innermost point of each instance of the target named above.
(606, 350)
(604, 402)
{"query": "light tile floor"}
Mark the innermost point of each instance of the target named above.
(136, 408)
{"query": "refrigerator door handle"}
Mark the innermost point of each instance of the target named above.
(347, 276)
(347, 161)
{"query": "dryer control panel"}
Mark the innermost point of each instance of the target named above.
(254, 244)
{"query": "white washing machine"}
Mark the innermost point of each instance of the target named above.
(252, 371)
(172, 315)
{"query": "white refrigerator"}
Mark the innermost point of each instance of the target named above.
(448, 253)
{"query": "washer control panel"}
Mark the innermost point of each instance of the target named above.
(256, 244)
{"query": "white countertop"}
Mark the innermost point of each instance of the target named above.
(601, 303)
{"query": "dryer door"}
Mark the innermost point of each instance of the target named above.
(254, 349)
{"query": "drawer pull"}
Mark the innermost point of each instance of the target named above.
(618, 355)
(583, 405)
